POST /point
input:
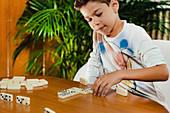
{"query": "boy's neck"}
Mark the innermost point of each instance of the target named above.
(117, 29)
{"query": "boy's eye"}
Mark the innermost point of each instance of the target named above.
(99, 14)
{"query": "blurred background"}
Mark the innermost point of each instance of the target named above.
(51, 38)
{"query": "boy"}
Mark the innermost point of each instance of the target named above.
(123, 53)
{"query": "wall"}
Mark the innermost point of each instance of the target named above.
(10, 11)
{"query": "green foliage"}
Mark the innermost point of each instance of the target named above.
(145, 13)
(59, 23)
(69, 35)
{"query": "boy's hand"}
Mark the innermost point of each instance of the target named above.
(108, 80)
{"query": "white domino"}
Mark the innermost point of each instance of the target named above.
(37, 84)
(3, 85)
(23, 100)
(4, 79)
(64, 94)
(74, 91)
(90, 90)
(69, 92)
(14, 86)
(19, 77)
(32, 80)
(23, 83)
(83, 81)
(9, 81)
(86, 91)
(16, 81)
(6, 97)
(47, 110)
(29, 87)
(121, 91)
(77, 89)
(43, 81)
(22, 78)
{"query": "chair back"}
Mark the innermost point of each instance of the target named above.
(164, 47)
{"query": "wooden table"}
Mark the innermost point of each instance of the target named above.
(46, 96)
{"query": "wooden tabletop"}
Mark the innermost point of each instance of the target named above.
(46, 96)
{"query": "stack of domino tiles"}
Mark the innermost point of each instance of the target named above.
(73, 91)
(13, 83)
(17, 81)
(30, 83)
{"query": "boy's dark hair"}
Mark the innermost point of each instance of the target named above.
(79, 3)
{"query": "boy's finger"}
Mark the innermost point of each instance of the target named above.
(97, 85)
(101, 88)
(95, 88)
(107, 89)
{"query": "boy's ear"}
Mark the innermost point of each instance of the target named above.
(115, 5)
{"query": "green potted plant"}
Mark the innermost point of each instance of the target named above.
(57, 22)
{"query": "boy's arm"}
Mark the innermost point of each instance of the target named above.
(155, 73)
(94, 67)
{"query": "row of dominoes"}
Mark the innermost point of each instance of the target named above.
(17, 81)
(73, 91)
(19, 99)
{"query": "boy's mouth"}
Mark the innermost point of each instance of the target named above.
(101, 29)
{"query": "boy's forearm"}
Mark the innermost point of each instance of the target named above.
(155, 73)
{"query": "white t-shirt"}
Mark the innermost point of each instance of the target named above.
(137, 44)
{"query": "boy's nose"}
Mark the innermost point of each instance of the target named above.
(96, 21)
(97, 24)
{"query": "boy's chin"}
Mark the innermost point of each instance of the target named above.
(102, 33)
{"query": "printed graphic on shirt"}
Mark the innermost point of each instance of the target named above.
(113, 55)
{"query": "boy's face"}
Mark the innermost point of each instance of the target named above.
(101, 17)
